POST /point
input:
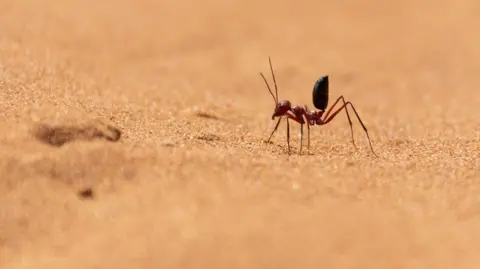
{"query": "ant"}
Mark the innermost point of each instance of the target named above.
(303, 115)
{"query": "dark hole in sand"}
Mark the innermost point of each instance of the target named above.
(59, 135)
(86, 193)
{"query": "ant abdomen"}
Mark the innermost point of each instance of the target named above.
(320, 93)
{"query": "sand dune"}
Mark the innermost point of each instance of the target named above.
(133, 135)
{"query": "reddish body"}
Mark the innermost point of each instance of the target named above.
(303, 115)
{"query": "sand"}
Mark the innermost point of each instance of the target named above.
(133, 135)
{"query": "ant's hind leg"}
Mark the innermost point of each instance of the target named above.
(348, 116)
(331, 117)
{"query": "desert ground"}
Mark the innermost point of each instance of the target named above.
(134, 134)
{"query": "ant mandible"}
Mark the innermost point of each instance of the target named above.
(303, 115)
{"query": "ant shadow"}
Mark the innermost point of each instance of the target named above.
(294, 151)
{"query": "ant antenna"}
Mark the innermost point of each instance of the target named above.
(273, 76)
(268, 86)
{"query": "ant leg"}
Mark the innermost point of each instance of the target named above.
(301, 137)
(363, 125)
(348, 117)
(327, 120)
(297, 118)
(275, 129)
(288, 136)
(308, 131)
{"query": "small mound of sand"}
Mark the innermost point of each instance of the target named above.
(59, 135)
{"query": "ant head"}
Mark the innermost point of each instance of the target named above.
(281, 108)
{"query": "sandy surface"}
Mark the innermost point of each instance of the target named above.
(191, 183)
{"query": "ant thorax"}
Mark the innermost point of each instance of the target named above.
(298, 110)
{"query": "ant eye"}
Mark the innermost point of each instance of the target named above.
(283, 104)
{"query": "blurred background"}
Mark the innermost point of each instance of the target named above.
(415, 61)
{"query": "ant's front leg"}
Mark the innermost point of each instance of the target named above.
(275, 129)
